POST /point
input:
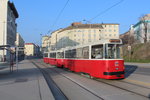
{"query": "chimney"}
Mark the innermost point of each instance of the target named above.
(76, 23)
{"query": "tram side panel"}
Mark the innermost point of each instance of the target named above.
(45, 59)
(59, 62)
(107, 69)
(52, 61)
(94, 68)
(66, 63)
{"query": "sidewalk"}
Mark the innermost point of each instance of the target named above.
(25, 84)
(145, 65)
(138, 76)
(4, 67)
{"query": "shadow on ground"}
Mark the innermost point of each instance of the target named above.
(130, 69)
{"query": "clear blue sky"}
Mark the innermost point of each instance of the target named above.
(37, 16)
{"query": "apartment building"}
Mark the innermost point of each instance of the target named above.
(30, 49)
(46, 40)
(138, 33)
(8, 26)
(20, 43)
(142, 29)
(78, 33)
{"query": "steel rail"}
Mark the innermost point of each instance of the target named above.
(56, 91)
(76, 83)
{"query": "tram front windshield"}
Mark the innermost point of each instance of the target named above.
(112, 51)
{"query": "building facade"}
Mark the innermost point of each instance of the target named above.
(20, 43)
(138, 33)
(142, 29)
(78, 33)
(30, 49)
(45, 43)
(8, 26)
(19, 40)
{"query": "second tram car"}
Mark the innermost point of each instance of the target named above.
(100, 60)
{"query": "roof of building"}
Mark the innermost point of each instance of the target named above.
(12, 7)
(29, 44)
(79, 25)
(140, 22)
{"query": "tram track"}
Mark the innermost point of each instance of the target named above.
(102, 81)
(119, 87)
(57, 93)
(109, 82)
(134, 84)
(75, 83)
(98, 80)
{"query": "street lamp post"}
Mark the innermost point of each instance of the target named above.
(17, 57)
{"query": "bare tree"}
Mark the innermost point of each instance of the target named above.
(143, 20)
(128, 37)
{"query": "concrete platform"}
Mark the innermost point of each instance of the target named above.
(25, 84)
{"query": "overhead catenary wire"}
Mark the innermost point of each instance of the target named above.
(57, 18)
(106, 10)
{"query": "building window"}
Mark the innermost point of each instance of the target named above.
(89, 40)
(89, 31)
(109, 30)
(79, 30)
(110, 35)
(89, 35)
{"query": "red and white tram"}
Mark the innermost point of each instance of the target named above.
(100, 60)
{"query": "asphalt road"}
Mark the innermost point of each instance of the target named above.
(77, 87)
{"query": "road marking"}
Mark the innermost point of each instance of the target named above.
(137, 82)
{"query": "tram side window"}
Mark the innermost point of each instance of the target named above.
(46, 55)
(73, 53)
(86, 52)
(53, 55)
(60, 54)
(113, 51)
(97, 52)
(79, 53)
(68, 54)
(118, 51)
